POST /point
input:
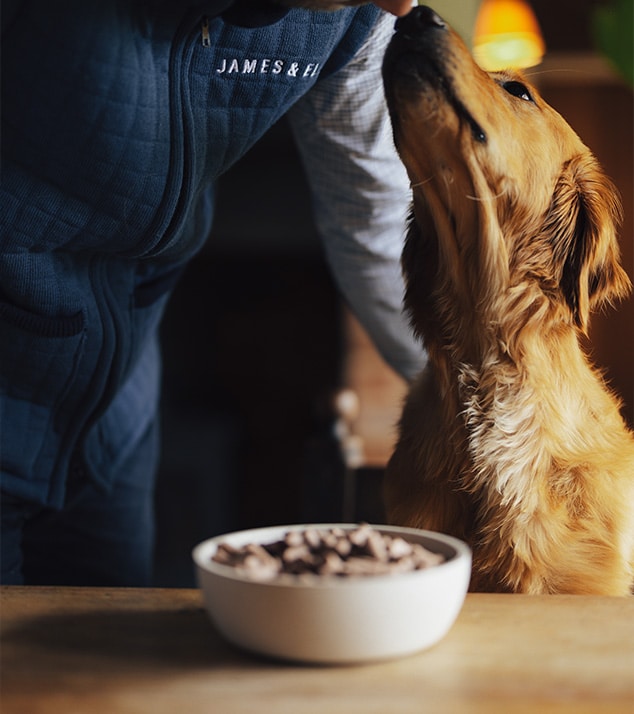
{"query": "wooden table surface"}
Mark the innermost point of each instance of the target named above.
(111, 651)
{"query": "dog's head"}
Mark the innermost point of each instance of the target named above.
(505, 193)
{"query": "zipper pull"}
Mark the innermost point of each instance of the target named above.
(206, 40)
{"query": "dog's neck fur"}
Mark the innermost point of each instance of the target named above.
(489, 346)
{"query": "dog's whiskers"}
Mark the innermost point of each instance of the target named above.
(494, 197)
(563, 70)
(421, 183)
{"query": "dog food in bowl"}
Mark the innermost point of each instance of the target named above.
(334, 617)
(333, 551)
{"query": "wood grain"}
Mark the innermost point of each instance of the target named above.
(117, 650)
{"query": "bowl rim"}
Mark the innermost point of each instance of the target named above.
(202, 552)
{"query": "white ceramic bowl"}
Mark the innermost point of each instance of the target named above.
(335, 620)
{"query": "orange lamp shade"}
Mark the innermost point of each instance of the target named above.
(507, 35)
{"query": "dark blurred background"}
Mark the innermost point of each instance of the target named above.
(253, 351)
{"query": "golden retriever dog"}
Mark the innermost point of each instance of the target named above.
(509, 439)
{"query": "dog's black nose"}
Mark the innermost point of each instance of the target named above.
(419, 19)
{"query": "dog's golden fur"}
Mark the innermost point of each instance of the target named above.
(509, 439)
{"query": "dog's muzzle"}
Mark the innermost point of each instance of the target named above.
(419, 20)
(418, 59)
(418, 38)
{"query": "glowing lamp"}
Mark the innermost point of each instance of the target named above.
(507, 35)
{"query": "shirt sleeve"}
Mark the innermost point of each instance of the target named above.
(361, 195)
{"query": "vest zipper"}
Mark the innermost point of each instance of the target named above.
(179, 177)
(206, 39)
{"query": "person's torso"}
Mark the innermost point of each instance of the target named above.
(114, 120)
(117, 119)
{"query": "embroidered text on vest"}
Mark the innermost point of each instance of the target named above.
(268, 66)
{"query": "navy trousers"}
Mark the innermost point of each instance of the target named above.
(99, 538)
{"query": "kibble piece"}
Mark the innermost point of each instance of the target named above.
(259, 568)
(298, 554)
(226, 554)
(359, 537)
(366, 566)
(312, 538)
(425, 558)
(257, 550)
(342, 547)
(328, 539)
(332, 565)
(294, 538)
(404, 565)
(399, 548)
(377, 547)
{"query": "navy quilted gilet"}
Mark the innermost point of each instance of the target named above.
(114, 123)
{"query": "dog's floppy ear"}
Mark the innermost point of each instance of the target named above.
(581, 224)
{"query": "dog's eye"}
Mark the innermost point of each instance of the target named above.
(517, 89)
